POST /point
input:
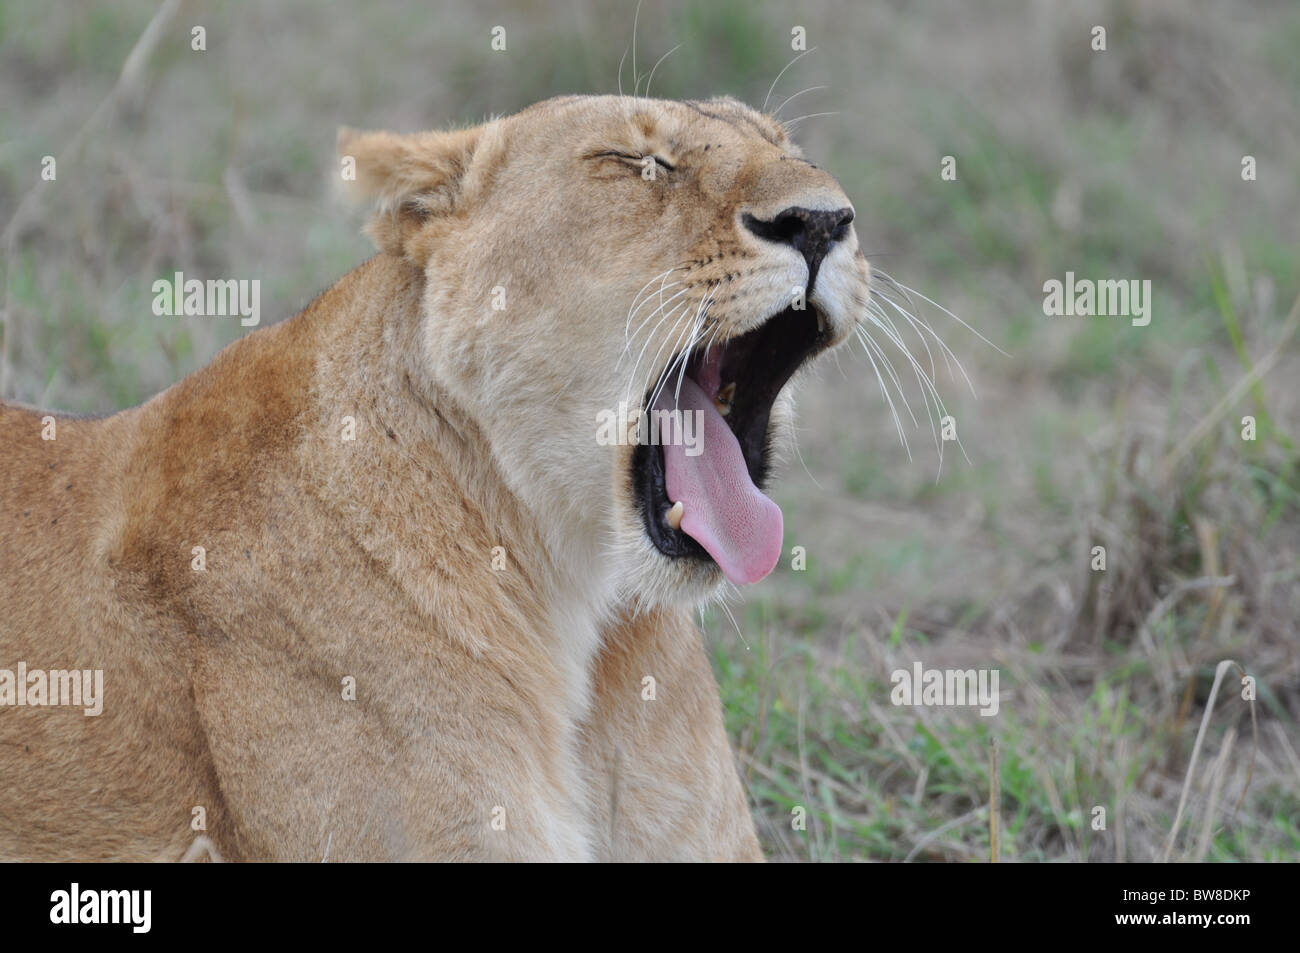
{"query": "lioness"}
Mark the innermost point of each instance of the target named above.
(373, 584)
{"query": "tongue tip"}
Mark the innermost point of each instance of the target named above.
(747, 575)
(753, 570)
(748, 565)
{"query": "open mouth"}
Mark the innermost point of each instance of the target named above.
(704, 501)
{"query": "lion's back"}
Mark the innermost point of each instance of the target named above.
(55, 478)
(66, 605)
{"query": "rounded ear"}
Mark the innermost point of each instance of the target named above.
(411, 178)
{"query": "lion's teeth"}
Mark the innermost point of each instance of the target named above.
(724, 399)
(675, 514)
(821, 323)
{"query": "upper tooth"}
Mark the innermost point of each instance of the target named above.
(724, 399)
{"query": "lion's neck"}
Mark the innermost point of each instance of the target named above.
(419, 487)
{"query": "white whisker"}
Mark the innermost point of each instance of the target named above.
(948, 356)
(708, 345)
(763, 108)
(680, 352)
(636, 80)
(908, 318)
(700, 317)
(898, 425)
(871, 343)
(928, 388)
(637, 302)
(650, 340)
(661, 278)
(656, 66)
(659, 307)
(683, 360)
(777, 111)
(658, 310)
(889, 369)
(929, 391)
(889, 293)
(672, 335)
(951, 315)
(675, 355)
(790, 122)
(794, 443)
(923, 379)
(734, 623)
(920, 325)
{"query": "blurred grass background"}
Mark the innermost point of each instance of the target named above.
(1117, 164)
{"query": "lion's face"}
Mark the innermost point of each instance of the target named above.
(596, 261)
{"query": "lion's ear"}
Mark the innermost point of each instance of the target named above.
(411, 178)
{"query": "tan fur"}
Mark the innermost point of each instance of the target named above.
(480, 694)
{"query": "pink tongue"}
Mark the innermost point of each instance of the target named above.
(725, 513)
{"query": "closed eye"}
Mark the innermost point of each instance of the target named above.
(633, 158)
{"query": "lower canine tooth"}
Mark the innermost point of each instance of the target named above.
(675, 514)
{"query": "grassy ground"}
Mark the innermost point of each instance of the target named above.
(1087, 431)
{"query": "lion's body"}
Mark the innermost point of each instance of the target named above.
(223, 688)
(425, 613)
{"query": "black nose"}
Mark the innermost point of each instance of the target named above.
(811, 232)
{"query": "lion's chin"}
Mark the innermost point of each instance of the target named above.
(652, 580)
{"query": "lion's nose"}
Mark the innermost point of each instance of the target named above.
(810, 231)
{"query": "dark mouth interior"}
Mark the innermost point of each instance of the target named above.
(758, 363)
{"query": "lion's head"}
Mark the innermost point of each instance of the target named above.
(593, 258)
